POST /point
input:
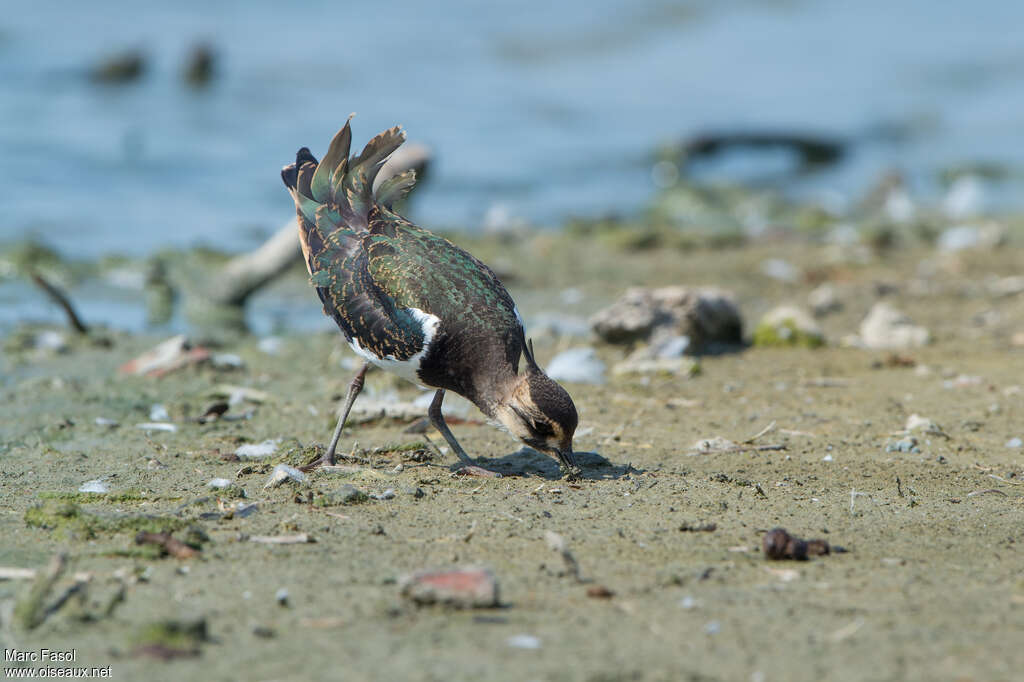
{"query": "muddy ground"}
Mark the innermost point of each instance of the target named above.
(931, 588)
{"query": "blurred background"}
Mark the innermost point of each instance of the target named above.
(128, 127)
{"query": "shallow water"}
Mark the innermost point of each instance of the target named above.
(536, 110)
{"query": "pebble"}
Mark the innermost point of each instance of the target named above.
(577, 365)
(271, 345)
(708, 316)
(388, 494)
(903, 445)
(50, 340)
(885, 328)
(158, 413)
(157, 426)
(779, 269)
(219, 483)
(94, 486)
(824, 300)
(464, 587)
(916, 422)
(1014, 443)
(104, 421)
(961, 237)
(523, 642)
(227, 361)
(346, 494)
(258, 450)
(282, 473)
(281, 596)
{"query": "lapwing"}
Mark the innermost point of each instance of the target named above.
(413, 303)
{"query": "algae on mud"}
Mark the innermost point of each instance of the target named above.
(930, 590)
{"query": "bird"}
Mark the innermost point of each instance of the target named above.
(413, 303)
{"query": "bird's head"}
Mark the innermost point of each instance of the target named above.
(541, 414)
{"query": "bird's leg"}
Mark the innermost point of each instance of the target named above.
(437, 419)
(353, 390)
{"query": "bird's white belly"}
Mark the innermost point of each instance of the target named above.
(407, 369)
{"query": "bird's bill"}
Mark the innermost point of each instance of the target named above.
(568, 461)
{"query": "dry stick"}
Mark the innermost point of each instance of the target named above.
(61, 299)
(740, 448)
(759, 433)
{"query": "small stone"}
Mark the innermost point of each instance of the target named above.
(465, 587)
(577, 365)
(916, 422)
(885, 328)
(415, 492)
(388, 494)
(824, 300)
(227, 361)
(50, 340)
(271, 345)
(110, 423)
(523, 642)
(1014, 443)
(903, 445)
(713, 628)
(780, 270)
(157, 426)
(281, 596)
(282, 473)
(788, 326)
(94, 486)
(258, 450)
(219, 483)
(708, 316)
(346, 494)
(158, 413)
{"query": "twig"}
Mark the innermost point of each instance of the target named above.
(993, 491)
(899, 486)
(760, 433)
(1003, 480)
(739, 448)
(29, 611)
(61, 299)
(854, 495)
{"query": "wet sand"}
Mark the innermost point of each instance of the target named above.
(930, 588)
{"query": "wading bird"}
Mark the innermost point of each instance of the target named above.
(413, 303)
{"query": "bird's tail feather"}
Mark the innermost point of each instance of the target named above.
(333, 197)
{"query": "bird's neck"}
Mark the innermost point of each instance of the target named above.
(496, 392)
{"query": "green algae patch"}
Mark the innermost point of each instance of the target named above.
(168, 639)
(98, 498)
(790, 327)
(67, 519)
(785, 334)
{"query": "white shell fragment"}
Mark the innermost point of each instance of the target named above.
(282, 473)
(94, 486)
(258, 450)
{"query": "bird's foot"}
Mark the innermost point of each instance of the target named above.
(474, 470)
(324, 460)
